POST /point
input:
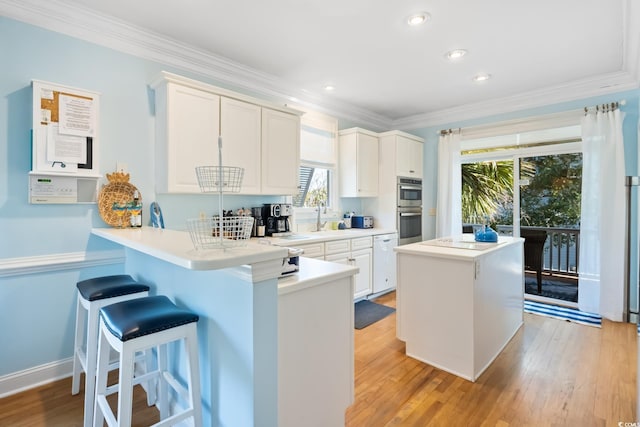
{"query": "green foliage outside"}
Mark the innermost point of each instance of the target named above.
(551, 199)
(487, 189)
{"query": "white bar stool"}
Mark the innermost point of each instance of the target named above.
(132, 326)
(93, 294)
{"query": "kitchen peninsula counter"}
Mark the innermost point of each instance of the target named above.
(250, 321)
(177, 248)
(459, 302)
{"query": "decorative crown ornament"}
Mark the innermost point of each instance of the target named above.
(118, 177)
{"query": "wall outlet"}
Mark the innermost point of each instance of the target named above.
(122, 167)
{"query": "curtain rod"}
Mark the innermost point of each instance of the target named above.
(577, 113)
(605, 108)
(444, 132)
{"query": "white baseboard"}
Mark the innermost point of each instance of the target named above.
(36, 376)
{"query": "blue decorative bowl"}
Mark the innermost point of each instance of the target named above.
(486, 234)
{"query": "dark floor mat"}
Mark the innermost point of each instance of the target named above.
(367, 312)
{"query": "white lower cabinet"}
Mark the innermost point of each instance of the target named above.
(357, 252)
(312, 250)
(363, 283)
(344, 258)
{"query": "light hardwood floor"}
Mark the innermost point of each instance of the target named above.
(552, 373)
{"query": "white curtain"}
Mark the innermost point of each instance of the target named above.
(449, 208)
(602, 225)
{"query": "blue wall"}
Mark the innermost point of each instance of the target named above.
(40, 307)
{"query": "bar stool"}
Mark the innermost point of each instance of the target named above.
(132, 326)
(93, 294)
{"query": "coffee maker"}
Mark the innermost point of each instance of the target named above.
(276, 218)
(258, 222)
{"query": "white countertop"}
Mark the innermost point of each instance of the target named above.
(314, 272)
(324, 236)
(463, 246)
(177, 248)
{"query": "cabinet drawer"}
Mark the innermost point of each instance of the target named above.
(361, 243)
(343, 258)
(312, 250)
(337, 246)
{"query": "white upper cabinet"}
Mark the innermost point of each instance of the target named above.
(280, 152)
(358, 150)
(240, 128)
(406, 149)
(261, 137)
(187, 129)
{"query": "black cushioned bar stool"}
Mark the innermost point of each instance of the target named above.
(93, 294)
(136, 325)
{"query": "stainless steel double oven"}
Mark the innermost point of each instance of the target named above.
(409, 213)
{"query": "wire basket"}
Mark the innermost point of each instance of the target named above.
(209, 233)
(219, 179)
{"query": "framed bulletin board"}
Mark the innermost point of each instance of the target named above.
(65, 130)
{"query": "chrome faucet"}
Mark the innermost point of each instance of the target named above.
(320, 225)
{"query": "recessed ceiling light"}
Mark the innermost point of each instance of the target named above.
(482, 77)
(418, 18)
(453, 55)
(329, 88)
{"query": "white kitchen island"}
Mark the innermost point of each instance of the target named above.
(242, 333)
(459, 302)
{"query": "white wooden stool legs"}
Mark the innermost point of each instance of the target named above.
(134, 327)
(78, 352)
(93, 294)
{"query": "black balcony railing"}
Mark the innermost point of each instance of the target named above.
(561, 250)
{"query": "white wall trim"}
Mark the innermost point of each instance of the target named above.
(57, 262)
(631, 41)
(83, 23)
(33, 377)
(596, 86)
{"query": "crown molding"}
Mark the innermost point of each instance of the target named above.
(631, 31)
(604, 84)
(84, 24)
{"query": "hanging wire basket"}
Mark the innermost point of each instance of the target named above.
(219, 179)
(220, 231)
(211, 233)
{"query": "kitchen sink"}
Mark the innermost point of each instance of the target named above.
(294, 237)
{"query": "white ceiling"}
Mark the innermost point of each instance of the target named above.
(383, 70)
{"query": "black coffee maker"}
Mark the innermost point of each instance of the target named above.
(258, 222)
(276, 218)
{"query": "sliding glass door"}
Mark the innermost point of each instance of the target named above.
(533, 192)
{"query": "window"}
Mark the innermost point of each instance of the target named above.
(318, 161)
(315, 187)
